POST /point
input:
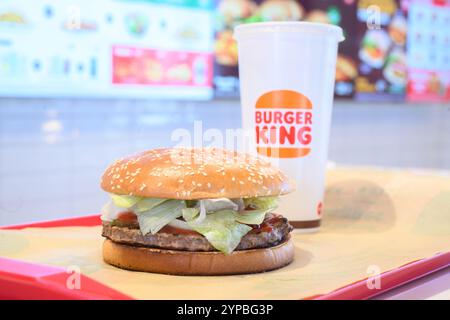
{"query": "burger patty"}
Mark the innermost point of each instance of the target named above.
(273, 231)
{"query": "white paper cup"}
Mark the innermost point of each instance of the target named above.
(286, 72)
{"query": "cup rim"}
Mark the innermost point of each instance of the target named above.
(313, 28)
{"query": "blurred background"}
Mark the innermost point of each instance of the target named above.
(83, 83)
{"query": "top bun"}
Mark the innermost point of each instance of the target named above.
(194, 173)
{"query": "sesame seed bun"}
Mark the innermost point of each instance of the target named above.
(197, 263)
(190, 173)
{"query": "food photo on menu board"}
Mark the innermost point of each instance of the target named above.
(224, 157)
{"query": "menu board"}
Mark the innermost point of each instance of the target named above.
(382, 65)
(233, 12)
(134, 48)
(429, 50)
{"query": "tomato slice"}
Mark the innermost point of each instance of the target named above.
(267, 225)
(175, 230)
(127, 217)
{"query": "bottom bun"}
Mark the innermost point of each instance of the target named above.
(197, 263)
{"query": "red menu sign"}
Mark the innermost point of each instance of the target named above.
(144, 66)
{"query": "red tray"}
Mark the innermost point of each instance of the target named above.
(23, 280)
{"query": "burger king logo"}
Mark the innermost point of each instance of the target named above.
(283, 121)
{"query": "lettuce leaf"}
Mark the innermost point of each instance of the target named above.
(212, 205)
(240, 203)
(179, 223)
(189, 213)
(124, 201)
(221, 230)
(264, 203)
(110, 211)
(147, 204)
(136, 204)
(223, 222)
(251, 216)
(157, 217)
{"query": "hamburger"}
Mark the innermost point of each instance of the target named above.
(346, 69)
(232, 12)
(374, 47)
(189, 211)
(225, 49)
(395, 70)
(397, 30)
(280, 10)
(317, 16)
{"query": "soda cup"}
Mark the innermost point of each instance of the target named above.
(286, 72)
